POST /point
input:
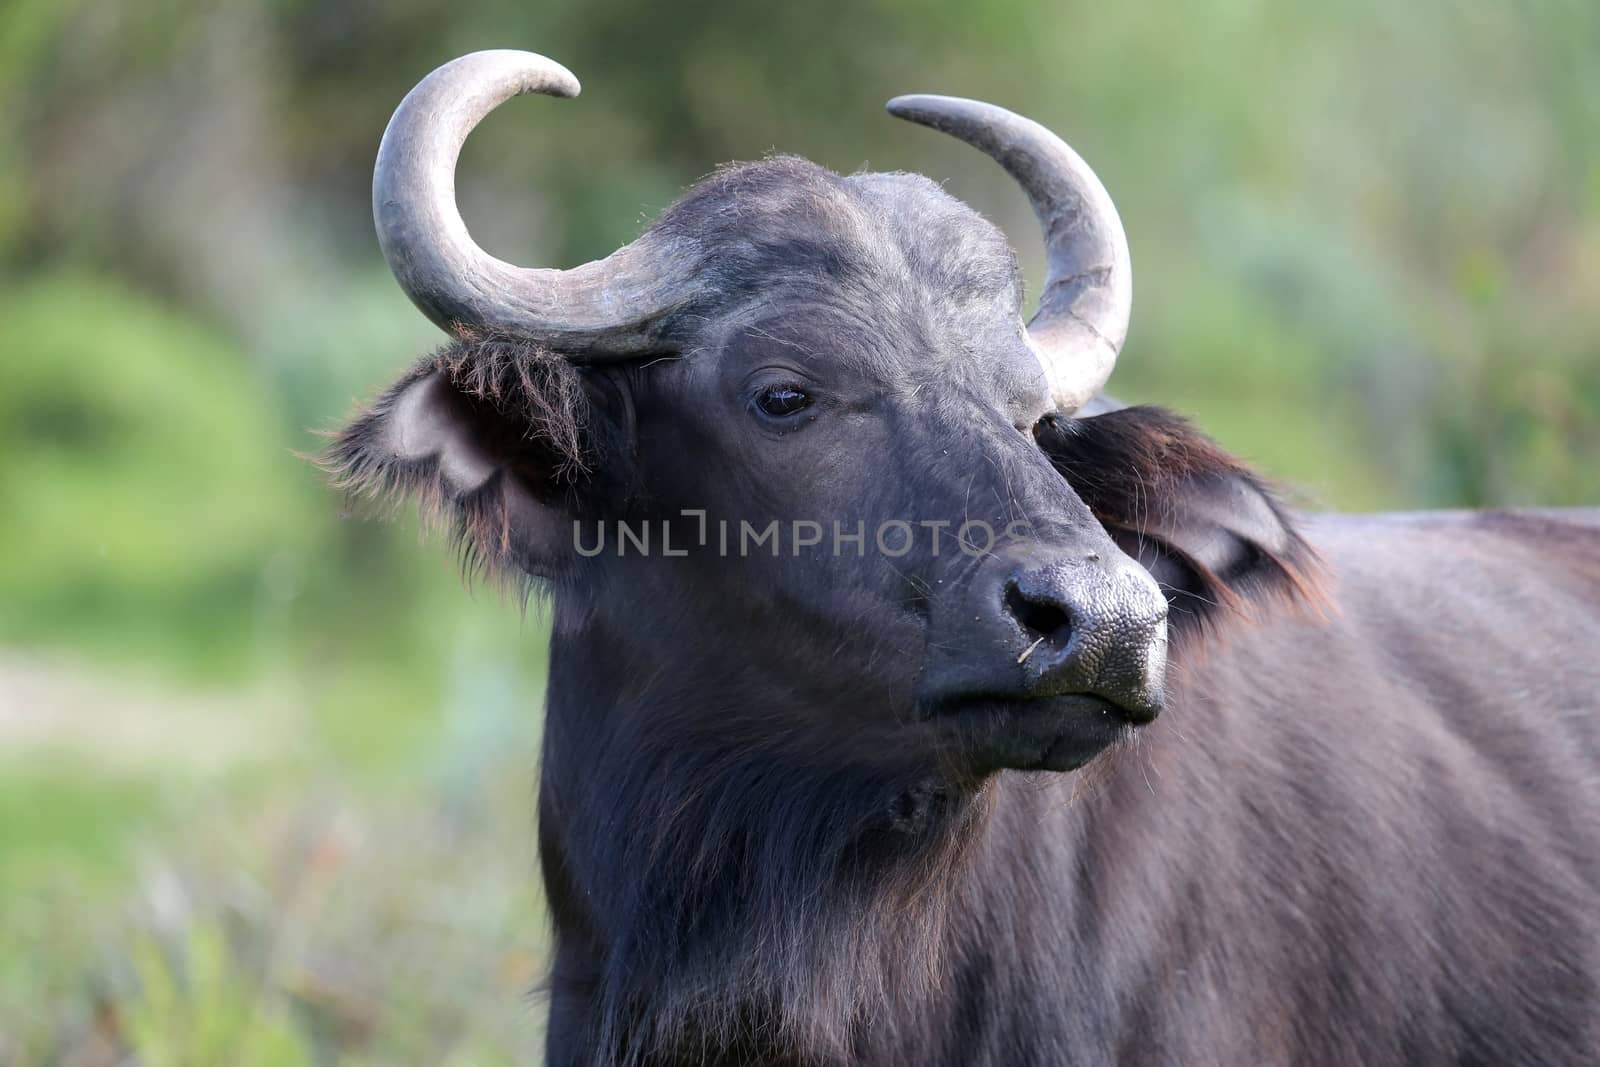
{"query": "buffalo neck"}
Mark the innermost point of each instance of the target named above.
(709, 881)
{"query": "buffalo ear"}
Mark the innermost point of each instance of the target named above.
(494, 439)
(1209, 529)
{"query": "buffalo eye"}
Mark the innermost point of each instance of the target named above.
(782, 401)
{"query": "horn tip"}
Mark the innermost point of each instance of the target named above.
(945, 113)
(911, 105)
(530, 72)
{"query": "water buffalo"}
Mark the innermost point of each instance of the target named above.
(865, 602)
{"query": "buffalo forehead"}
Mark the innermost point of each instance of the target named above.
(887, 272)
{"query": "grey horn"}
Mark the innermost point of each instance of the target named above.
(611, 308)
(1083, 313)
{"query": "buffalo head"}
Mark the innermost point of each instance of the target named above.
(792, 465)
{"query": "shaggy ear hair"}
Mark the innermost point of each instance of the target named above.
(493, 437)
(1208, 528)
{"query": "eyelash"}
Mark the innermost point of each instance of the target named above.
(789, 399)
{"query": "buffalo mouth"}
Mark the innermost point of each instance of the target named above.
(1043, 733)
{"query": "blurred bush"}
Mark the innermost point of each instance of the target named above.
(201, 1011)
(148, 490)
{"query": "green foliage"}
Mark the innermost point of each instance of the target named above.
(146, 485)
(204, 1010)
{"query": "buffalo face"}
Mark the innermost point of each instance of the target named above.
(793, 461)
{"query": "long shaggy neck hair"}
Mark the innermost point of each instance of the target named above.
(757, 902)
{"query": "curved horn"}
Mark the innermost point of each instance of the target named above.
(611, 307)
(1083, 313)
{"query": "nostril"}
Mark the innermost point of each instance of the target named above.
(1036, 616)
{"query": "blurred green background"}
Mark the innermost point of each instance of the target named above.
(266, 773)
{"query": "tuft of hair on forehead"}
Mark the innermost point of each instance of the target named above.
(785, 218)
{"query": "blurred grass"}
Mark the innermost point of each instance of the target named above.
(266, 774)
